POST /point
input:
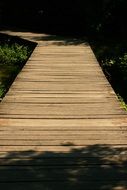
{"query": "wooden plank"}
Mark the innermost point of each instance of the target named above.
(63, 83)
(53, 116)
(56, 140)
(117, 155)
(61, 62)
(82, 65)
(57, 86)
(65, 134)
(48, 69)
(121, 185)
(103, 152)
(24, 174)
(60, 94)
(65, 142)
(112, 122)
(60, 109)
(39, 160)
(62, 128)
(57, 149)
(64, 75)
(57, 100)
(48, 135)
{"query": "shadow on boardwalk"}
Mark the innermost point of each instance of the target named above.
(57, 39)
(96, 167)
(63, 40)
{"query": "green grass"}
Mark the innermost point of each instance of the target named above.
(12, 58)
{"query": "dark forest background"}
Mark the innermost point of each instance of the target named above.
(66, 16)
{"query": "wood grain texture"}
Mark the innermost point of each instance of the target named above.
(61, 123)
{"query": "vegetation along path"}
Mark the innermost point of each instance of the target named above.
(61, 124)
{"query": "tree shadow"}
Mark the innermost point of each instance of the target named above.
(62, 40)
(98, 167)
(37, 37)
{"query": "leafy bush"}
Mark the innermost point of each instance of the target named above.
(2, 90)
(117, 69)
(14, 54)
(12, 58)
(113, 59)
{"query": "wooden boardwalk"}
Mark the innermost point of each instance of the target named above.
(61, 124)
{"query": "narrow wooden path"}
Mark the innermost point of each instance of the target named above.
(61, 124)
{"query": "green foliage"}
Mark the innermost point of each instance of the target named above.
(13, 55)
(113, 59)
(2, 90)
(12, 59)
(123, 104)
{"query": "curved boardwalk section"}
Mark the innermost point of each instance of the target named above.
(61, 124)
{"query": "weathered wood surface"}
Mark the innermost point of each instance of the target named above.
(61, 124)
